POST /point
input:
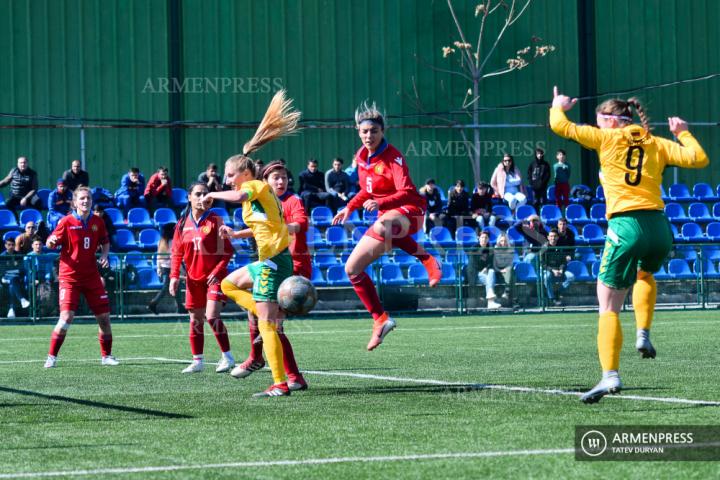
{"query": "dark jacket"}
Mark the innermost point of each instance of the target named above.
(458, 203)
(21, 183)
(337, 182)
(538, 174)
(72, 181)
(434, 200)
(312, 182)
(484, 202)
(554, 258)
(479, 259)
(567, 240)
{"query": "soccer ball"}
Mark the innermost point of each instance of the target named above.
(297, 295)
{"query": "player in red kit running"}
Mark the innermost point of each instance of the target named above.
(385, 186)
(275, 175)
(197, 242)
(78, 236)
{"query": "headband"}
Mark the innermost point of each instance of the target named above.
(377, 121)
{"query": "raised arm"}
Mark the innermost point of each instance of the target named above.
(586, 135)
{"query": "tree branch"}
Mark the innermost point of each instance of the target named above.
(465, 52)
(443, 70)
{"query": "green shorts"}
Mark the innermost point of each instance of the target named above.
(268, 274)
(634, 239)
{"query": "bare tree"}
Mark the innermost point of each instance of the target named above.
(472, 62)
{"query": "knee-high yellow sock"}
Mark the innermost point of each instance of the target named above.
(643, 299)
(609, 341)
(273, 349)
(239, 296)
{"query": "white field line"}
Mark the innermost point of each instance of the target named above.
(286, 463)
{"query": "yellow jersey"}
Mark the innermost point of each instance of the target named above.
(262, 213)
(632, 160)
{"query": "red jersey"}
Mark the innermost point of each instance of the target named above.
(78, 241)
(199, 245)
(294, 212)
(385, 178)
(155, 188)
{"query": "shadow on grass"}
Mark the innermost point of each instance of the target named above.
(442, 389)
(90, 403)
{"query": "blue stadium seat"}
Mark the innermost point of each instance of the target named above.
(241, 259)
(576, 214)
(404, 259)
(676, 213)
(369, 217)
(679, 269)
(525, 273)
(354, 218)
(179, 197)
(661, 274)
(711, 252)
(390, 274)
(579, 199)
(692, 233)
(716, 211)
(706, 268)
(457, 257)
(43, 194)
(593, 234)
(52, 219)
(493, 233)
(579, 269)
(595, 269)
(449, 277)
(11, 235)
(550, 193)
(238, 220)
(664, 195)
(699, 213)
(2, 200)
(679, 192)
(466, 237)
(677, 238)
(597, 214)
(116, 216)
(503, 214)
(358, 233)
(315, 239)
(585, 254)
(316, 278)
(336, 276)
(417, 275)
(600, 194)
(421, 238)
(550, 214)
(515, 236)
(325, 259)
(125, 240)
(8, 221)
(222, 213)
(336, 237)
(148, 240)
(148, 279)
(712, 231)
(138, 218)
(30, 215)
(441, 237)
(524, 211)
(686, 252)
(321, 216)
(137, 259)
(164, 215)
(703, 192)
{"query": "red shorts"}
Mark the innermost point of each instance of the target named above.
(92, 288)
(197, 293)
(415, 214)
(302, 266)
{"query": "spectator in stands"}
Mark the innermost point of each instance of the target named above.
(554, 264)
(458, 207)
(562, 180)
(481, 205)
(12, 272)
(566, 238)
(99, 211)
(59, 202)
(158, 191)
(507, 183)
(23, 242)
(23, 182)
(434, 216)
(352, 173)
(533, 231)
(337, 184)
(42, 231)
(312, 186)
(503, 263)
(130, 193)
(76, 176)
(39, 265)
(163, 269)
(480, 268)
(211, 178)
(538, 178)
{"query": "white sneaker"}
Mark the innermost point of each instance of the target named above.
(493, 305)
(196, 366)
(109, 361)
(11, 313)
(225, 364)
(24, 302)
(609, 385)
(51, 361)
(645, 348)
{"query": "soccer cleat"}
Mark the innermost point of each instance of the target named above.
(196, 366)
(433, 270)
(225, 364)
(51, 361)
(24, 302)
(493, 305)
(109, 361)
(645, 348)
(277, 390)
(609, 385)
(247, 368)
(382, 327)
(11, 313)
(297, 384)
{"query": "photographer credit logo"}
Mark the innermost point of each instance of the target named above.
(593, 443)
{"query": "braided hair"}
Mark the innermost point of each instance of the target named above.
(623, 111)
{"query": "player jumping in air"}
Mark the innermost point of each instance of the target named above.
(639, 238)
(385, 186)
(78, 236)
